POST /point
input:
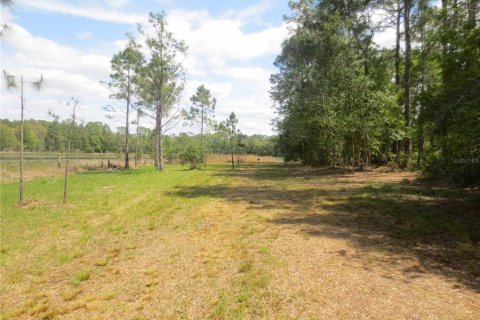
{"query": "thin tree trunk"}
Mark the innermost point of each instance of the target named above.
(396, 148)
(65, 190)
(445, 27)
(137, 138)
(201, 137)
(231, 149)
(161, 166)
(408, 141)
(421, 138)
(159, 141)
(397, 47)
(127, 160)
(22, 106)
(127, 123)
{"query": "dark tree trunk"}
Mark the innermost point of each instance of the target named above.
(397, 46)
(408, 121)
(472, 12)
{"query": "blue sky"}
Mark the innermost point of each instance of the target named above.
(232, 45)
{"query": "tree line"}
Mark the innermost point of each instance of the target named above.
(344, 100)
(98, 137)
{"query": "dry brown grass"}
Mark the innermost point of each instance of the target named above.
(224, 158)
(266, 242)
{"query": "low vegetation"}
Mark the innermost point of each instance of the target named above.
(267, 240)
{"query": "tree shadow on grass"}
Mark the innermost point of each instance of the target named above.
(440, 227)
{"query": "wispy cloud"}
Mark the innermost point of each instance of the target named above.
(222, 54)
(95, 12)
(84, 35)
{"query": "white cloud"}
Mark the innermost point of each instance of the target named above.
(219, 40)
(116, 3)
(84, 35)
(251, 11)
(95, 12)
(221, 55)
(67, 72)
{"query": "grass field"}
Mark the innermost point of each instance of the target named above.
(268, 240)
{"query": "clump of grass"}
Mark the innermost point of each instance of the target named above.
(81, 276)
(69, 295)
(101, 262)
(388, 188)
(130, 246)
(151, 225)
(108, 295)
(114, 253)
(245, 266)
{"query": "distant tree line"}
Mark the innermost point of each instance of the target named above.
(98, 137)
(344, 100)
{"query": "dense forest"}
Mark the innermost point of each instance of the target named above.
(342, 99)
(52, 136)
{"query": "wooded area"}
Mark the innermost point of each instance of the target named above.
(97, 137)
(344, 100)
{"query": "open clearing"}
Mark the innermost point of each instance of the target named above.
(270, 241)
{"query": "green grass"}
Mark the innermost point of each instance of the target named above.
(189, 233)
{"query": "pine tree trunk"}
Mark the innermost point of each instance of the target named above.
(406, 21)
(397, 47)
(233, 162)
(127, 121)
(65, 190)
(21, 143)
(421, 139)
(137, 138)
(201, 138)
(157, 138)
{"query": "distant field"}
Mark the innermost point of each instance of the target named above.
(266, 241)
(45, 164)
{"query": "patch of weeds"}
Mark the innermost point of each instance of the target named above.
(39, 308)
(245, 266)
(64, 258)
(151, 225)
(150, 271)
(101, 262)
(3, 256)
(264, 250)
(108, 295)
(130, 246)
(113, 253)
(81, 276)
(70, 295)
(389, 188)
(222, 310)
(117, 229)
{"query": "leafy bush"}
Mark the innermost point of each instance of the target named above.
(192, 156)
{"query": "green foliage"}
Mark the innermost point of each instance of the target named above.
(338, 103)
(191, 155)
(201, 115)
